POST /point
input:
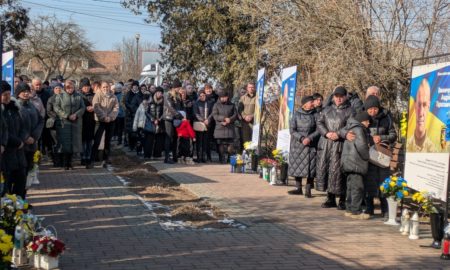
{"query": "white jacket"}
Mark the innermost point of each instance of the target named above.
(140, 117)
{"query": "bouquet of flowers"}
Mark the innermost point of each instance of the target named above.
(46, 245)
(280, 156)
(425, 201)
(12, 209)
(268, 162)
(6, 247)
(249, 148)
(32, 177)
(395, 186)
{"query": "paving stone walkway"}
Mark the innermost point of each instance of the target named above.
(106, 227)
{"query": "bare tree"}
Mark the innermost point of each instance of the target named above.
(127, 48)
(55, 45)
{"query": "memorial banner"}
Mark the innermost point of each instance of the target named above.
(287, 102)
(8, 68)
(258, 107)
(428, 136)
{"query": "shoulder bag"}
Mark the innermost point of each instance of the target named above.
(380, 155)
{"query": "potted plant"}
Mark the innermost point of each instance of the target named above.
(48, 248)
(6, 247)
(395, 188)
(281, 157)
(251, 151)
(424, 199)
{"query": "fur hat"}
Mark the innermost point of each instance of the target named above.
(22, 87)
(4, 87)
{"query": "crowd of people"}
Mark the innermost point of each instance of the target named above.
(64, 119)
(330, 148)
(329, 139)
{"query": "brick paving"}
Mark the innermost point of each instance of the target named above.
(106, 227)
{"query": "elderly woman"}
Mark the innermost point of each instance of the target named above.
(106, 109)
(304, 138)
(56, 156)
(69, 107)
(381, 131)
(202, 111)
(172, 106)
(331, 125)
(224, 113)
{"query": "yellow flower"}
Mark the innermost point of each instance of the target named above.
(406, 193)
(19, 213)
(7, 258)
(275, 152)
(4, 248)
(394, 178)
(392, 184)
(25, 205)
(2, 232)
(404, 184)
(6, 238)
(381, 188)
(12, 197)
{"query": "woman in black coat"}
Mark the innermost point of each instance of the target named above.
(224, 113)
(302, 154)
(157, 110)
(14, 165)
(381, 131)
(131, 106)
(88, 132)
(331, 125)
(202, 111)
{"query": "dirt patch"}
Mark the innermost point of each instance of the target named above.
(175, 206)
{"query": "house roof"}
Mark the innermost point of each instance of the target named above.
(105, 62)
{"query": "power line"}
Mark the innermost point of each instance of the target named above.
(91, 15)
(106, 1)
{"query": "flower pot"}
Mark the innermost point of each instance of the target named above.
(19, 257)
(36, 259)
(260, 172)
(48, 262)
(238, 168)
(283, 174)
(392, 206)
(273, 176)
(254, 165)
(266, 173)
(437, 229)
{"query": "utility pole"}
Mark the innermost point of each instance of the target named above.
(137, 36)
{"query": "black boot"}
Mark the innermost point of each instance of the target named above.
(341, 205)
(83, 162)
(298, 187)
(308, 191)
(68, 162)
(60, 160)
(330, 202)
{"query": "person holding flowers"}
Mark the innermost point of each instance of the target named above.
(302, 154)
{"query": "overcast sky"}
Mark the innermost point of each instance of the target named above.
(102, 32)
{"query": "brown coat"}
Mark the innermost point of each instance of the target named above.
(105, 106)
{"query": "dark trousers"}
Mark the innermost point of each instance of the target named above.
(119, 125)
(132, 140)
(87, 149)
(370, 207)
(170, 143)
(108, 129)
(355, 192)
(246, 132)
(29, 158)
(298, 182)
(15, 182)
(184, 147)
(159, 144)
(149, 140)
(202, 145)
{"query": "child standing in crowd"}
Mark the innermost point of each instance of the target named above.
(354, 164)
(186, 136)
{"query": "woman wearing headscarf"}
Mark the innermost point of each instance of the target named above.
(69, 107)
(224, 113)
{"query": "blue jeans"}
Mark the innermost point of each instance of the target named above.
(87, 149)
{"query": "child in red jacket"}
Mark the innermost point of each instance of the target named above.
(186, 136)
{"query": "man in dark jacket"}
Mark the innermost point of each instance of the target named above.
(354, 163)
(14, 167)
(331, 125)
(88, 129)
(36, 122)
(131, 106)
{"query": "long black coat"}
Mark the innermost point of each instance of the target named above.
(156, 112)
(329, 176)
(130, 110)
(17, 133)
(381, 125)
(220, 112)
(88, 118)
(355, 154)
(302, 159)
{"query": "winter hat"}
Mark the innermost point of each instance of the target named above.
(340, 90)
(118, 87)
(223, 93)
(316, 96)
(84, 82)
(135, 83)
(176, 83)
(5, 87)
(183, 113)
(159, 89)
(372, 101)
(307, 99)
(22, 87)
(56, 84)
(362, 116)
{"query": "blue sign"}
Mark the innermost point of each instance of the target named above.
(8, 68)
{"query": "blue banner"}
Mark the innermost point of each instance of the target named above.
(258, 107)
(8, 68)
(287, 103)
